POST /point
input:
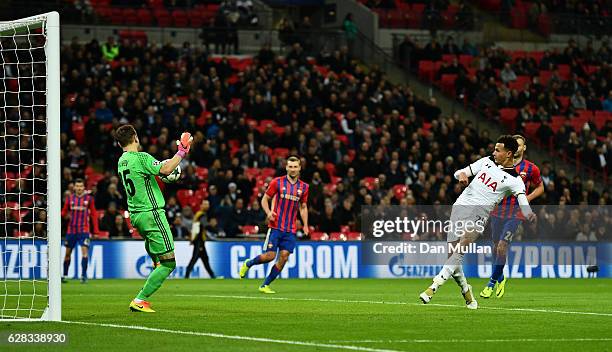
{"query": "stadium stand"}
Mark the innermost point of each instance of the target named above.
(558, 98)
(347, 123)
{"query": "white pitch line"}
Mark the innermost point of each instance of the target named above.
(393, 303)
(475, 341)
(234, 337)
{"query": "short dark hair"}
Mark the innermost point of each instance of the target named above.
(293, 158)
(79, 180)
(125, 135)
(509, 142)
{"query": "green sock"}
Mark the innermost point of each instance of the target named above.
(155, 279)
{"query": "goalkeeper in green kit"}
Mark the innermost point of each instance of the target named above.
(137, 171)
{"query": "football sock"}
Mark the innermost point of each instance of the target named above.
(498, 269)
(253, 261)
(493, 281)
(66, 266)
(460, 279)
(273, 274)
(84, 262)
(156, 278)
(451, 265)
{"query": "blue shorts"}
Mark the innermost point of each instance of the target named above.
(73, 238)
(504, 229)
(277, 239)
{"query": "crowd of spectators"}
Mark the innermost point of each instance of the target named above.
(362, 140)
(560, 82)
(330, 112)
(427, 14)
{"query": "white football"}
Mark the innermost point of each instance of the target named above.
(174, 176)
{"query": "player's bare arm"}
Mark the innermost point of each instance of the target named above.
(265, 205)
(538, 191)
(304, 215)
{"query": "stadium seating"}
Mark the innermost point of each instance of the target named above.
(508, 116)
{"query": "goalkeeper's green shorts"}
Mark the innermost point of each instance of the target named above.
(154, 228)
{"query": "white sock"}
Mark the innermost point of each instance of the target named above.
(136, 300)
(460, 279)
(443, 275)
(452, 263)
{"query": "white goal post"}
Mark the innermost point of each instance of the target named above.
(30, 169)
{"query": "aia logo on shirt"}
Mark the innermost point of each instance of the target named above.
(488, 181)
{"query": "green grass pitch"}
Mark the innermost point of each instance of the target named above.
(330, 315)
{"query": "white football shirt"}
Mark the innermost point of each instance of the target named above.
(490, 185)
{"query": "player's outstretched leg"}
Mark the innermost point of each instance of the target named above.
(450, 266)
(466, 289)
(260, 259)
(167, 264)
(276, 269)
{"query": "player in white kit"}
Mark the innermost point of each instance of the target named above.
(494, 178)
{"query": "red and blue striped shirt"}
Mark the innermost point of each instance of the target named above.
(80, 210)
(286, 200)
(508, 208)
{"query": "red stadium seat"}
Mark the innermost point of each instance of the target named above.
(318, 236)
(331, 169)
(544, 24)
(337, 236)
(518, 18)
(564, 101)
(251, 172)
(466, 60)
(564, 71)
(531, 129)
(426, 70)
(415, 16)
(447, 84)
(369, 182)
(201, 173)
(508, 117)
(329, 189)
(250, 229)
(103, 235)
(353, 236)
(267, 172)
(601, 118)
(399, 191)
(184, 196)
(557, 122)
(519, 83)
(20, 234)
(343, 138)
(545, 77)
(281, 152)
(78, 130)
(448, 58)
(144, 17)
(335, 180)
(536, 55)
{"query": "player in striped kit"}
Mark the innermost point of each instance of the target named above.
(289, 196)
(506, 218)
(78, 209)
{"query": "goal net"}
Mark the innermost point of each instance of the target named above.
(29, 169)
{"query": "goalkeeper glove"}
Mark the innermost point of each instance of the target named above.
(184, 144)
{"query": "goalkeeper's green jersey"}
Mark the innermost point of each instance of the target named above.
(137, 171)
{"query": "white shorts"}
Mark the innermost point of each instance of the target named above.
(465, 219)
